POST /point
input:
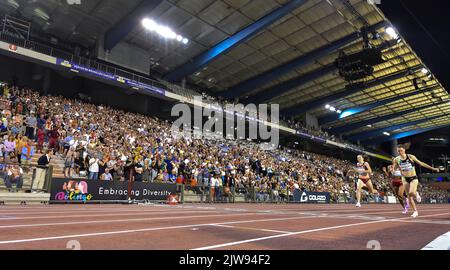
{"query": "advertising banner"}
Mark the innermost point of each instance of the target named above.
(311, 197)
(108, 76)
(84, 190)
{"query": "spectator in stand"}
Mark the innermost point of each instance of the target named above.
(21, 142)
(28, 151)
(31, 123)
(40, 140)
(16, 129)
(214, 187)
(69, 161)
(106, 176)
(138, 170)
(3, 129)
(2, 149)
(68, 141)
(53, 140)
(10, 147)
(93, 168)
(40, 123)
(48, 127)
(14, 175)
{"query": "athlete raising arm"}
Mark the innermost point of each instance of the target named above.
(405, 163)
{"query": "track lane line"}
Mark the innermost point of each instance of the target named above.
(117, 220)
(302, 232)
(145, 230)
(249, 228)
(124, 214)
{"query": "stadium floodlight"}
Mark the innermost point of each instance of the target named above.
(339, 111)
(327, 106)
(333, 109)
(387, 133)
(166, 32)
(424, 71)
(369, 126)
(162, 30)
(391, 32)
(150, 25)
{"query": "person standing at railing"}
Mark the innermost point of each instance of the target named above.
(214, 187)
(41, 171)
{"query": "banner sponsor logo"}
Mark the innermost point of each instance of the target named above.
(73, 190)
(311, 197)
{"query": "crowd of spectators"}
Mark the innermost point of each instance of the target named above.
(297, 125)
(103, 143)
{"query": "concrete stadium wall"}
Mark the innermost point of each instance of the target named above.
(126, 55)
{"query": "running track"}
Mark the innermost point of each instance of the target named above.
(221, 226)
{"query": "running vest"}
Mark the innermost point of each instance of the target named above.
(406, 165)
(361, 169)
(397, 173)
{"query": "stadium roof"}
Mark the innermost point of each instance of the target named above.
(271, 51)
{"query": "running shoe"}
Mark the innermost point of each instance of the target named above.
(415, 214)
(418, 198)
(405, 211)
(358, 205)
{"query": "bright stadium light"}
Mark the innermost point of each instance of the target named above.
(327, 106)
(149, 24)
(333, 109)
(339, 111)
(162, 30)
(387, 133)
(166, 32)
(424, 71)
(391, 32)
